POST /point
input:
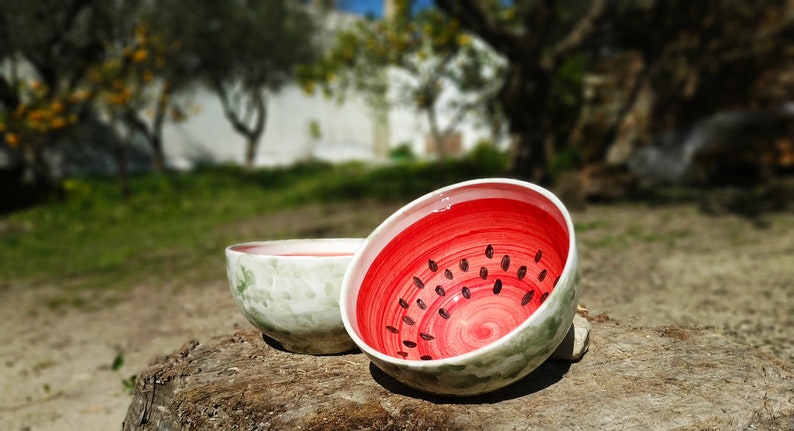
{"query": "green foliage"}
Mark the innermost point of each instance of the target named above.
(402, 152)
(129, 383)
(411, 59)
(565, 94)
(565, 160)
(118, 362)
(173, 228)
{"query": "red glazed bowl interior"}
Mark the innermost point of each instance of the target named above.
(456, 271)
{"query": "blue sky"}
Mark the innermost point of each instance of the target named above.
(373, 7)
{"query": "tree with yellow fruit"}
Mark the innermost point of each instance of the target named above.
(46, 47)
(414, 58)
(140, 76)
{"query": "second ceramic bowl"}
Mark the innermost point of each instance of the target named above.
(290, 290)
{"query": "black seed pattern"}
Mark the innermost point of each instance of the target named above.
(527, 298)
(403, 354)
(408, 320)
(497, 286)
(440, 291)
(410, 344)
(444, 313)
(464, 265)
(392, 329)
(556, 280)
(432, 265)
(489, 251)
(538, 255)
(505, 263)
(483, 272)
(418, 283)
(403, 303)
(542, 275)
(466, 292)
(522, 272)
(421, 303)
(425, 357)
(543, 297)
(448, 274)
(426, 337)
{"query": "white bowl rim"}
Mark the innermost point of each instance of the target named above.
(348, 246)
(567, 273)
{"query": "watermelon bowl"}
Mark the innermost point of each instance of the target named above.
(466, 289)
(289, 290)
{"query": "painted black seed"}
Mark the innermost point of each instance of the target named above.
(403, 303)
(443, 313)
(425, 357)
(427, 337)
(497, 286)
(432, 265)
(392, 329)
(542, 275)
(505, 263)
(483, 272)
(466, 292)
(543, 297)
(489, 251)
(522, 272)
(421, 303)
(448, 274)
(538, 255)
(528, 297)
(408, 320)
(556, 280)
(418, 283)
(464, 265)
(440, 291)
(403, 354)
(409, 343)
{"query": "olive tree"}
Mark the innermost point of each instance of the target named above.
(243, 50)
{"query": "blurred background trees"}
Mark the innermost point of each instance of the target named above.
(641, 86)
(123, 64)
(689, 60)
(415, 58)
(242, 50)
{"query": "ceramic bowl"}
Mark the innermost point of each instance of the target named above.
(290, 290)
(466, 289)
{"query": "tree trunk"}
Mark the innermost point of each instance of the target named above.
(632, 378)
(120, 154)
(438, 136)
(255, 131)
(156, 134)
(524, 99)
(251, 145)
(239, 117)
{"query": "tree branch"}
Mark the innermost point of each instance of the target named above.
(476, 19)
(229, 111)
(581, 30)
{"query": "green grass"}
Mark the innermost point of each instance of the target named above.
(174, 226)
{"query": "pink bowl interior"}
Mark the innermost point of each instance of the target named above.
(294, 248)
(460, 278)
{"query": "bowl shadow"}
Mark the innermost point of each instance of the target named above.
(275, 344)
(547, 374)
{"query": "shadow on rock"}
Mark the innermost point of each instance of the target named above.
(549, 373)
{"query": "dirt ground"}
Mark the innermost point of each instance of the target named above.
(640, 266)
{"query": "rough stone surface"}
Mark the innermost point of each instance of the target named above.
(644, 378)
(576, 341)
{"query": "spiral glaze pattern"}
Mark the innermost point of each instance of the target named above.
(460, 278)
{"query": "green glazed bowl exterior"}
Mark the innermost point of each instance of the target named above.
(290, 290)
